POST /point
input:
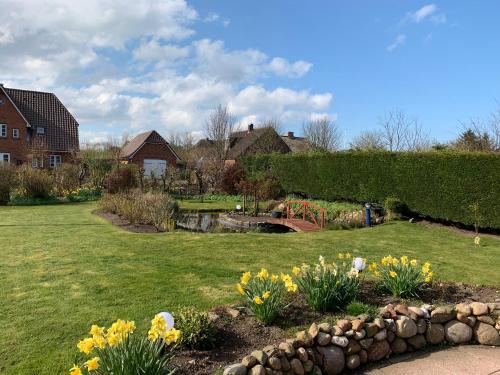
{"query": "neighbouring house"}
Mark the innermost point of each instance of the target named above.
(36, 128)
(150, 151)
(297, 144)
(255, 141)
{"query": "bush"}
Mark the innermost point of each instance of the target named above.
(153, 208)
(117, 351)
(67, 178)
(440, 185)
(121, 179)
(84, 194)
(402, 277)
(8, 182)
(394, 208)
(328, 287)
(358, 308)
(265, 293)
(198, 331)
(232, 176)
(35, 183)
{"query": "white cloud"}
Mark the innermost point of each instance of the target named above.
(126, 69)
(399, 41)
(429, 11)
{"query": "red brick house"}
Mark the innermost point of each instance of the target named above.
(150, 151)
(36, 128)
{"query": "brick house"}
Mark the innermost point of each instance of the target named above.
(150, 151)
(36, 128)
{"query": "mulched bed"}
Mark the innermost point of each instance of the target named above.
(241, 335)
(125, 224)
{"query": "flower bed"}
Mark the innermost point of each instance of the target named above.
(351, 342)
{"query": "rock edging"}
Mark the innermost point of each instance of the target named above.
(353, 341)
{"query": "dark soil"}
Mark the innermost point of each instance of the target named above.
(125, 224)
(239, 336)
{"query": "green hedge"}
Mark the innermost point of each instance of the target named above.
(440, 185)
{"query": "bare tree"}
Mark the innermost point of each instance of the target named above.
(218, 128)
(495, 129)
(323, 133)
(368, 140)
(273, 123)
(474, 137)
(400, 132)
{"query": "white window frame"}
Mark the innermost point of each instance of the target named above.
(3, 130)
(15, 133)
(40, 130)
(37, 162)
(2, 157)
(55, 161)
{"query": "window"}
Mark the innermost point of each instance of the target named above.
(3, 130)
(37, 162)
(55, 161)
(40, 131)
(15, 133)
(4, 158)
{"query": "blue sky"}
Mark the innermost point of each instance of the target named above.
(163, 65)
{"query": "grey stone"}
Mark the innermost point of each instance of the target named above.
(323, 339)
(257, 370)
(353, 361)
(486, 319)
(405, 327)
(285, 364)
(379, 350)
(261, 356)
(287, 348)
(464, 309)
(457, 332)
(349, 333)
(417, 342)
(365, 343)
(371, 329)
(297, 366)
(479, 308)
(249, 361)
(359, 335)
(302, 354)
(363, 356)
(421, 326)
(486, 334)
(398, 346)
(382, 335)
(341, 341)
(236, 369)
(435, 333)
(308, 365)
(379, 322)
(336, 331)
(274, 363)
(390, 336)
(353, 347)
(333, 359)
(442, 314)
(325, 327)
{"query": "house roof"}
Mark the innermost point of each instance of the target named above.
(43, 109)
(240, 141)
(139, 140)
(297, 144)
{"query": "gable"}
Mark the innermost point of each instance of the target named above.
(263, 140)
(143, 139)
(9, 111)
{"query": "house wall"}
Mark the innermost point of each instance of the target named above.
(16, 147)
(158, 151)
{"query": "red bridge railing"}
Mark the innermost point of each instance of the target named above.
(306, 211)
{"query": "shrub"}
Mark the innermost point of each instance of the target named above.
(265, 293)
(394, 208)
(402, 277)
(66, 178)
(328, 287)
(358, 308)
(158, 208)
(8, 182)
(117, 351)
(35, 183)
(232, 176)
(198, 331)
(83, 194)
(440, 185)
(121, 179)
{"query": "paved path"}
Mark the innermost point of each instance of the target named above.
(466, 360)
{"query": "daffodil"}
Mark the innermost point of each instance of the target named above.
(92, 364)
(266, 295)
(341, 256)
(274, 278)
(428, 278)
(240, 289)
(245, 278)
(395, 261)
(296, 271)
(477, 240)
(392, 274)
(263, 274)
(257, 300)
(291, 287)
(75, 370)
(95, 330)
(426, 268)
(372, 267)
(404, 260)
(86, 345)
(413, 262)
(171, 336)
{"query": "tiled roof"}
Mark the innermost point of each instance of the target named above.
(147, 137)
(43, 109)
(297, 144)
(240, 141)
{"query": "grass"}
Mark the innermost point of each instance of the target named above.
(62, 269)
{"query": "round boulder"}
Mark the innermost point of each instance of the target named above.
(378, 350)
(333, 359)
(398, 346)
(353, 362)
(486, 334)
(457, 332)
(405, 327)
(435, 333)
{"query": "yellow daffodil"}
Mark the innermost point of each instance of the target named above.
(477, 240)
(112, 339)
(404, 260)
(75, 370)
(99, 341)
(266, 295)
(341, 256)
(240, 289)
(372, 267)
(263, 274)
(347, 255)
(92, 364)
(171, 336)
(245, 278)
(274, 278)
(393, 274)
(86, 345)
(413, 262)
(257, 300)
(296, 271)
(385, 261)
(426, 268)
(428, 278)
(95, 330)
(376, 273)
(395, 261)
(291, 287)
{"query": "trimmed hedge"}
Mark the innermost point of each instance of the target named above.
(440, 185)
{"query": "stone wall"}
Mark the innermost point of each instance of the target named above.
(353, 341)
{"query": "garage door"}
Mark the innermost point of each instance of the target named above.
(155, 166)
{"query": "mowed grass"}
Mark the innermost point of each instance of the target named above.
(62, 269)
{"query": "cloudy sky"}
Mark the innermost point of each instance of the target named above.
(129, 66)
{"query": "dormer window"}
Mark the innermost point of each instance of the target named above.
(40, 131)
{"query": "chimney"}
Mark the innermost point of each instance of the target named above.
(1, 84)
(250, 127)
(290, 135)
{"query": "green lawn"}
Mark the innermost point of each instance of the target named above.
(62, 269)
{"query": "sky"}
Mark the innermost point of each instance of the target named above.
(131, 66)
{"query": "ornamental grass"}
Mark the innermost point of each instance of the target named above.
(402, 277)
(329, 286)
(117, 351)
(266, 293)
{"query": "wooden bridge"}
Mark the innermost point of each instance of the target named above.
(302, 216)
